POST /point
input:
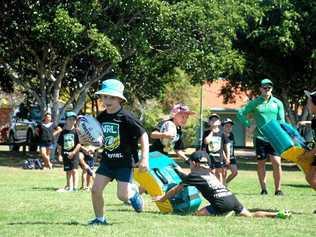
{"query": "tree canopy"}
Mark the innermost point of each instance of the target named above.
(67, 47)
(279, 43)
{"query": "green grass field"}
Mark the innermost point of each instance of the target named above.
(30, 206)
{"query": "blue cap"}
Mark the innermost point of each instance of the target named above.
(112, 87)
(266, 82)
(70, 114)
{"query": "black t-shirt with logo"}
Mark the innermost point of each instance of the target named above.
(230, 140)
(215, 147)
(178, 142)
(68, 140)
(121, 132)
(220, 198)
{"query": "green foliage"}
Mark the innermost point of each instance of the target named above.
(177, 90)
(277, 44)
(103, 49)
(142, 40)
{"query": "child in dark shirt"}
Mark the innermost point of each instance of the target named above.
(68, 149)
(122, 132)
(221, 200)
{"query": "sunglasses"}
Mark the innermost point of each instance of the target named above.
(266, 87)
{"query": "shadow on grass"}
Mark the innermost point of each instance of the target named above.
(297, 185)
(15, 159)
(249, 164)
(46, 223)
(262, 209)
(44, 188)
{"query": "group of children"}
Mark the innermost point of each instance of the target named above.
(123, 132)
(70, 152)
(219, 144)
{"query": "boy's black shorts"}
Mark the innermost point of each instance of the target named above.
(233, 161)
(263, 149)
(89, 160)
(224, 205)
(216, 162)
(70, 164)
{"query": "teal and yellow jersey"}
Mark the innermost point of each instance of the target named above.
(262, 111)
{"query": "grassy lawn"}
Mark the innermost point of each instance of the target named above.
(30, 206)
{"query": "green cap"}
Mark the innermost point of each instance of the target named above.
(70, 114)
(266, 82)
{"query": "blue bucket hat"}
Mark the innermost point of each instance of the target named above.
(112, 87)
(70, 114)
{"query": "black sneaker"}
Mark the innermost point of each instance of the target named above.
(264, 192)
(279, 193)
(97, 222)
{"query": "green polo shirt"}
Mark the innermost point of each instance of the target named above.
(262, 111)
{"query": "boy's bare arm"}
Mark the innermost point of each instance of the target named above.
(60, 158)
(75, 151)
(171, 193)
(144, 143)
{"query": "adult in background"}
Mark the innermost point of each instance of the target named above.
(264, 108)
(47, 131)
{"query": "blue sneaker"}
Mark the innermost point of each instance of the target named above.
(97, 222)
(137, 202)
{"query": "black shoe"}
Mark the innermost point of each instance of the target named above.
(314, 212)
(97, 222)
(264, 192)
(279, 193)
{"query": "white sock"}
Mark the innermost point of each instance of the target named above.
(100, 218)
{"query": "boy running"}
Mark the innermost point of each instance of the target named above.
(122, 132)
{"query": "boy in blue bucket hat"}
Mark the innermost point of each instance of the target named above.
(122, 132)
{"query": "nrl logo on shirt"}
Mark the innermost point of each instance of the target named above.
(111, 133)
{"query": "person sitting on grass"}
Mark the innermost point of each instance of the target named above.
(221, 200)
(68, 149)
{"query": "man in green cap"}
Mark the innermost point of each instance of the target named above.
(263, 109)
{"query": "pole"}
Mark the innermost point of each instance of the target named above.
(201, 117)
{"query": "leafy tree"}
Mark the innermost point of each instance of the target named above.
(278, 44)
(55, 48)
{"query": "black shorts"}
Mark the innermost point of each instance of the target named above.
(89, 160)
(216, 162)
(263, 149)
(233, 161)
(224, 205)
(70, 164)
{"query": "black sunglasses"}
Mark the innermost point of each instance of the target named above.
(266, 87)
